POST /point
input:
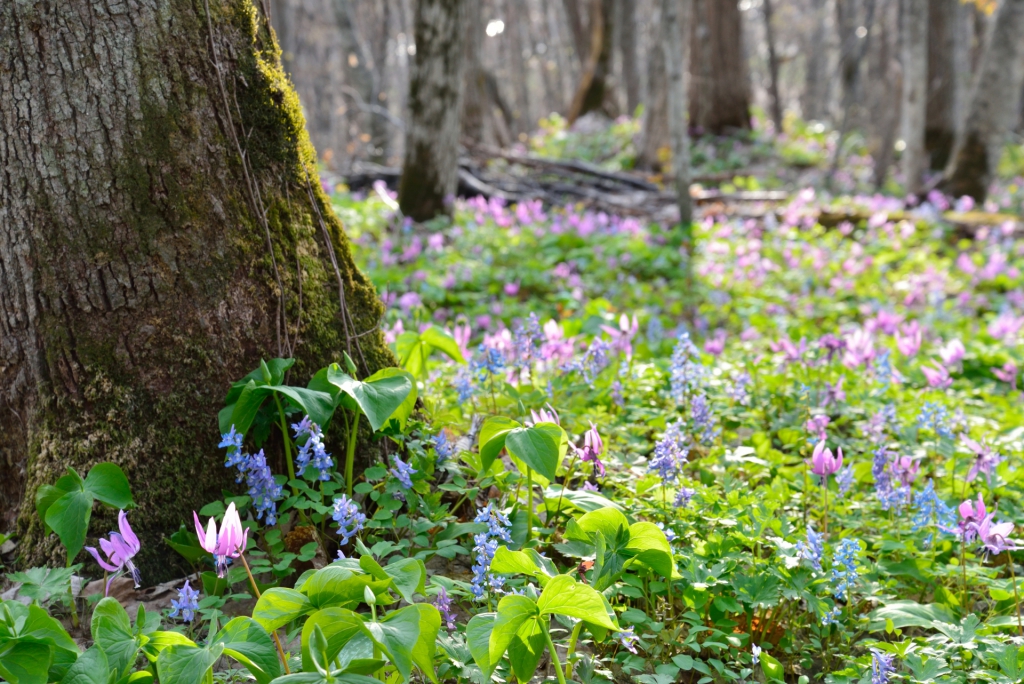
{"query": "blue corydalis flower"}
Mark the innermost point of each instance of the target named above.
(349, 518)
(186, 605)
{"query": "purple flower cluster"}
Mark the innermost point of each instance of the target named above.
(670, 454)
(443, 448)
(349, 518)
(443, 602)
(402, 472)
(263, 488)
(486, 542)
(686, 374)
(704, 424)
(312, 451)
(186, 605)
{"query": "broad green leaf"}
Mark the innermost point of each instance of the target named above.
(772, 668)
(506, 562)
(339, 626)
(186, 664)
(536, 447)
(443, 342)
(378, 398)
(279, 606)
(492, 439)
(414, 348)
(319, 406)
(317, 678)
(409, 576)
(526, 649)
(426, 644)
(112, 632)
(397, 635)
(248, 643)
(607, 521)
(565, 596)
(90, 668)
(69, 517)
(107, 483)
(909, 614)
(513, 612)
(334, 586)
(579, 499)
(158, 641)
(39, 625)
(46, 496)
(651, 546)
(187, 544)
(405, 409)
(25, 662)
(478, 638)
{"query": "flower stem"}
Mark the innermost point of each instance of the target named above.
(565, 485)
(963, 574)
(824, 524)
(350, 453)
(285, 439)
(569, 662)
(1016, 597)
(529, 505)
(554, 654)
(277, 640)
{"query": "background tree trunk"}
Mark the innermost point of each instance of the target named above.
(944, 83)
(162, 228)
(814, 100)
(655, 130)
(913, 108)
(719, 98)
(992, 106)
(675, 22)
(773, 67)
(593, 92)
(430, 174)
(626, 22)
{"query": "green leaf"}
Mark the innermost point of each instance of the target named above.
(187, 545)
(319, 406)
(405, 409)
(186, 664)
(46, 496)
(336, 586)
(651, 547)
(565, 596)
(492, 439)
(606, 521)
(248, 643)
(506, 562)
(397, 635)
(40, 584)
(443, 342)
(409, 576)
(536, 447)
(24, 662)
(579, 499)
(478, 638)
(909, 614)
(39, 625)
(107, 483)
(772, 668)
(158, 641)
(339, 626)
(90, 668)
(426, 644)
(526, 649)
(112, 632)
(414, 348)
(69, 518)
(378, 398)
(278, 606)
(513, 612)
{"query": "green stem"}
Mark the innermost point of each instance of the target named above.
(565, 484)
(285, 439)
(825, 520)
(350, 453)
(529, 505)
(963, 575)
(554, 654)
(277, 640)
(1016, 597)
(569, 662)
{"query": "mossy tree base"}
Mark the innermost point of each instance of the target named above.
(162, 228)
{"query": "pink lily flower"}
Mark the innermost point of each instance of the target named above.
(985, 459)
(994, 537)
(909, 338)
(230, 542)
(622, 337)
(716, 344)
(593, 447)
(1008, 374)
(937, 376)
(545, 415)
(906, 468)
(823, 463)
(119, 550)
(952, 353)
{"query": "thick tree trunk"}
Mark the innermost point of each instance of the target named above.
(914, 44)
(947, 63)
(773, 66)
(992, 106)
(162, 228)
(431, 172)
(360, 85)
(594, 93)
(627, 46)
(655, 130)
(675, 22)
(814, 99)
(720, 80)
(485, 115)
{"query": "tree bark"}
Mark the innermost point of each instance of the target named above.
(913, 109)
(773, 67)
(655, 127)
(814, 100)
(719, 80)
(627, 46)
(431, 172)
(991, 107)
(162, 228)
(675, 23)
(360, 85)
(945, 82)
(593, 93)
